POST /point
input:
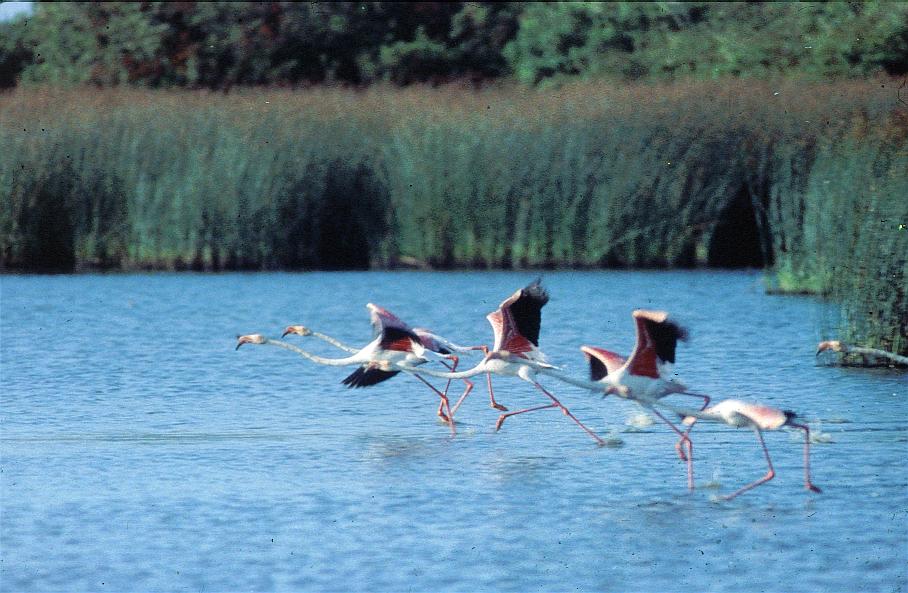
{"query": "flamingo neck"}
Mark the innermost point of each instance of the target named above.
(333, 341)
(584, 383)
(338, 362)
(478, 369)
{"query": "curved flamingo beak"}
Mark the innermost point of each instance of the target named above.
(299, 330)
(249, 339)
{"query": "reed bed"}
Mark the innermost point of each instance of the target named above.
(587, 175)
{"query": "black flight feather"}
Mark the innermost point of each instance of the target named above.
(366, 376)
(390, 335)
(527, 310)
(597, 369)
(665, 337)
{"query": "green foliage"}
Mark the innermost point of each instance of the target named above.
(590, 175)
(665, 40)
(844, 232)
(223, 44)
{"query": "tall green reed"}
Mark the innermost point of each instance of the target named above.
(587, 175)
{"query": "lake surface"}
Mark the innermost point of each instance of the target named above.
(140, 452)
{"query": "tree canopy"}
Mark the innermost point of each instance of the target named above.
(222, 44)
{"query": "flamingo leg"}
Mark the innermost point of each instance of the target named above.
(807, 483)
(451, 368)
(494, 404)
(770, 474)
(444, 400)
(469, 388)
(567, 413)
(706, 400)
(502, 418)
(463, 396)
(690, 447)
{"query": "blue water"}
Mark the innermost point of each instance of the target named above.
(140, 452)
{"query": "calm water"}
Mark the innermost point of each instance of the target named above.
(141, 452)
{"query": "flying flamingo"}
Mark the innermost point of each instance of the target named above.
(395, 344)
(641, 377)
(516, 352)
(381, 318)
(738, 413)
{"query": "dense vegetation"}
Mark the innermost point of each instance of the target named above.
(565, 134)
(222, 44)
(589, 175)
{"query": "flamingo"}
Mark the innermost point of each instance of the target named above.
(759, 417)
(516, 352)
(837, 346)
(641, 376)
(394, 344)
(381, 318)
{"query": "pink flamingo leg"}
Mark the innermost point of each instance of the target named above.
(706, 400)
(690, 448)
(444, 400)
(567, 413)
(451, 368)
(502, 418)
(492, 403)
(769, 474)
(463, 396)
(807, 483)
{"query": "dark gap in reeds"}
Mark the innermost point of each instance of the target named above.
(805, 178)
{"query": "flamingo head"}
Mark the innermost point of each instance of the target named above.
(249, 339)
(300, 330)
(834, 345)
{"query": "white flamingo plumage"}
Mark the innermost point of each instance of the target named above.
(516, 352)
(394, 345)
(759, 417)
(644, 376)
(382, 319)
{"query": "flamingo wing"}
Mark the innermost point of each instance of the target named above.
(430, 341)
(517, 320)
(657, 337)
(366, 376)
(395, 334)
(766, 417)
(602, 362)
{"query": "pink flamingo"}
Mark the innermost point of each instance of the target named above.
(394, 345)
(516, 352)
(738, 413)
(381, 319)
(642, 376)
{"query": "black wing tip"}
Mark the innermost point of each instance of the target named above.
(598, 370)
(681, 331)
(789, 415)
(392, 334)
(366, 377)
(536, 291)
(666, 334)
